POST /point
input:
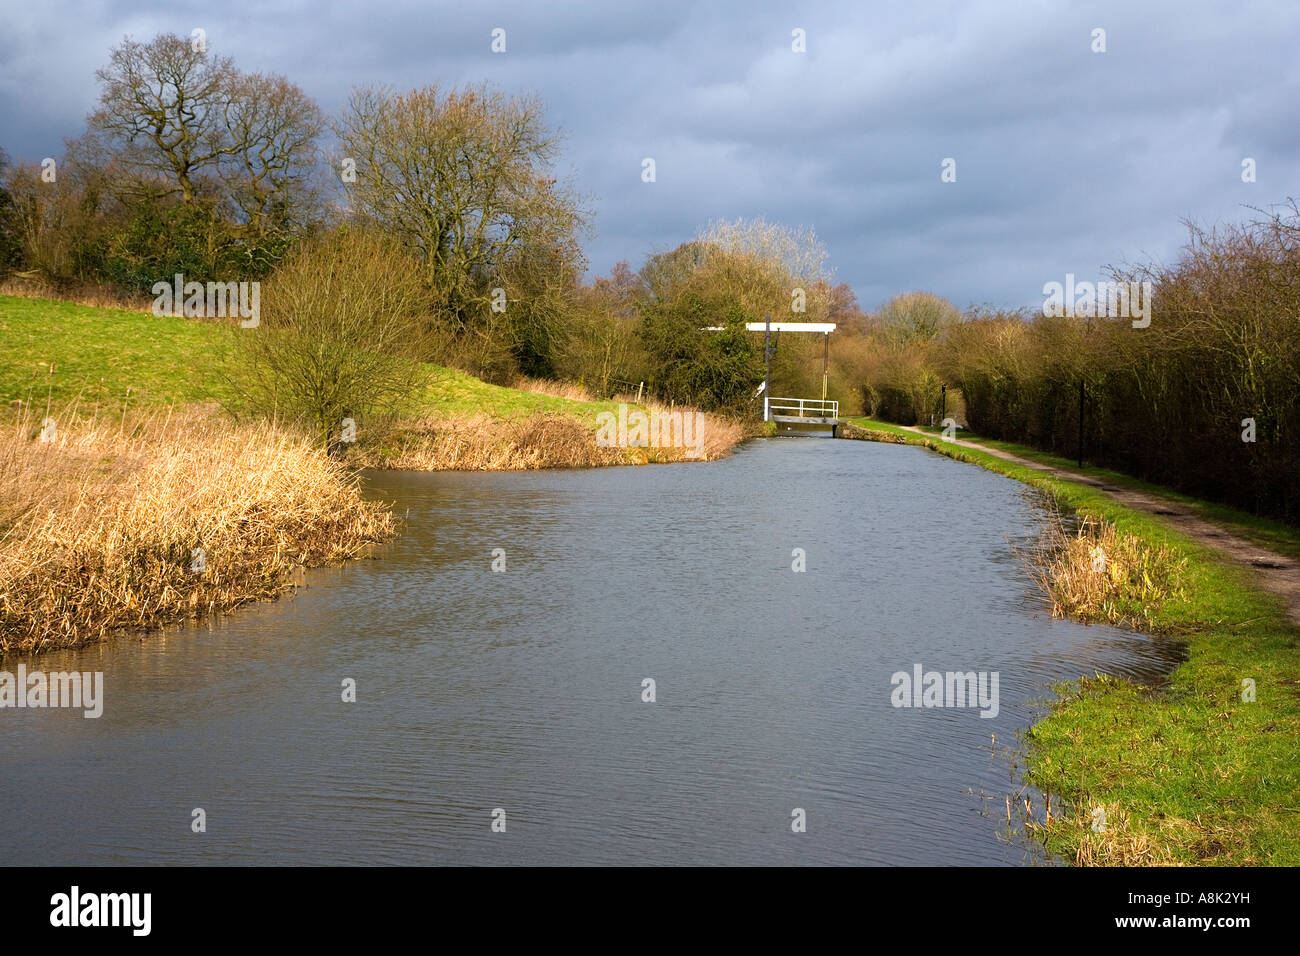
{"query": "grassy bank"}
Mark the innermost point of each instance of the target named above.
(60, 358)
(1189, 772)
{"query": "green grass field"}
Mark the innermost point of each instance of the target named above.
(58, 353)
(1190, 768)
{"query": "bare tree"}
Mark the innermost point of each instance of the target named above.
(463, 178)
(917, 317)
(51, 226)
(795, 249)
(600, 344)
(174, 120)
(340, 334)
(272, 127)
(162, 103)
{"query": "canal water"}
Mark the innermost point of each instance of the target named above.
(522, 690)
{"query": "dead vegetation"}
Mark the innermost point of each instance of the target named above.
(33, 285)
(1108, 836)
(545, 386)
(1098, 574)
(154, 519)
(539, 440)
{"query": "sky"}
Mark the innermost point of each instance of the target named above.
(1065, 159)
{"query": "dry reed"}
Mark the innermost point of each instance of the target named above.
(540, 440)
(1097, 574)
(99, 527)
(85, 293)
(545, 386)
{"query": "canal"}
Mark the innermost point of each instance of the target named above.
(524, 689)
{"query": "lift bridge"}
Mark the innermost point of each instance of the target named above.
(817, 412)
(794, 411)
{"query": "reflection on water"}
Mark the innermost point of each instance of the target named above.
(522, 690)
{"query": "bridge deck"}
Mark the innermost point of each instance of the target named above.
(797, 420)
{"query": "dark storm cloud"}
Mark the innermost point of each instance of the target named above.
(1067, 160)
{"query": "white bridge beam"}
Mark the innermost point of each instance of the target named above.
(792, 326)
(780, 327)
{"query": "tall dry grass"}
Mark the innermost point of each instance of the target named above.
(716, 436)
(545, 386)
(540, 440)
(1097, 574)
(485, 443)
(98, 527)
(80, 293)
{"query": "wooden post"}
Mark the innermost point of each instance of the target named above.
(767, 367)
(826, 364)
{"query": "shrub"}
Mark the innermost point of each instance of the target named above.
(344, 321)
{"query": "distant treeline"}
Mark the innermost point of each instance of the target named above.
(1204, 399)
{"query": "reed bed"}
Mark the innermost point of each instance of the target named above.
(540, 440)
(1098, 574)
(716, 437)
(102, 528)
(485, 443)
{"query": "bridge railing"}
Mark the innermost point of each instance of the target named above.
(804, 407)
